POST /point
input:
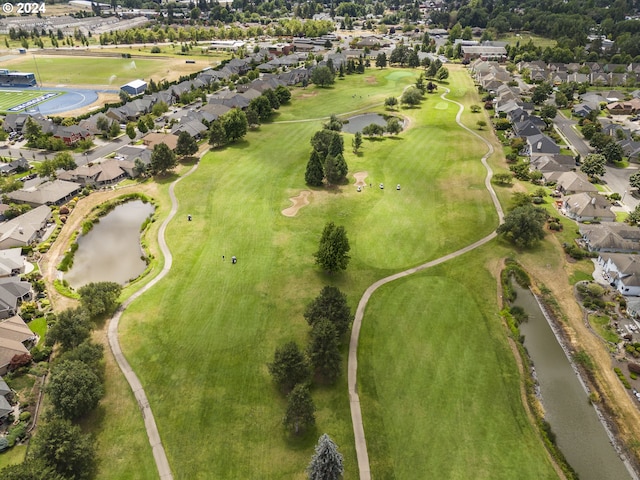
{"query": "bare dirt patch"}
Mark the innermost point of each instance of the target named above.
(360, 176)
(371, 80)
(299, 201)
(309, 95)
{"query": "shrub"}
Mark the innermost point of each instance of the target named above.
(633, 368)
(25, 417)
(622, 378)
(16, 433)
(4, 444)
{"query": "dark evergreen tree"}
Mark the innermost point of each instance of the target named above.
(332, 305)
(300, 414)
(332, 254)
(289, 367)
(324, 351)
(315, 172)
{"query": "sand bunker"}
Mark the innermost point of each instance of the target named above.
(360, 176)
(298, 202)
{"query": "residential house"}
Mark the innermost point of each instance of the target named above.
(194, 128)
(100, 174)
(19, 165)
(71, 134)
(622, 270)
(47, 193)
(5, 393)
(541, 145)
(569, 183)
(13, 292)
(24, 229)
(610, 237)
(585, 207)
(553, 163)
(11, 262)
(152, 139)
(581, 110)
(629, 107)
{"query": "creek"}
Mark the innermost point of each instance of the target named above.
(580, 434)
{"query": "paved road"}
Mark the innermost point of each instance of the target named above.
(159, 454)
(352, 367)
(616, 179)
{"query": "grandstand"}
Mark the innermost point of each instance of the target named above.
(16, 79)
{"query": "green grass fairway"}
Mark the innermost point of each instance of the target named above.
(83, 70)
(201, 339)
(13, 98)
(439, 388)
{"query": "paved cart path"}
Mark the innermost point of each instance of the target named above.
(352, 367)
(159, 454)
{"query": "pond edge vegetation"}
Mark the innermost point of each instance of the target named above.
(96, 212)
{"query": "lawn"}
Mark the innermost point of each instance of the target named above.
(200, 340)
(81, 70)
(13, 456)
(602, 325)
(435, 398)
(18, 100)
(525, 37)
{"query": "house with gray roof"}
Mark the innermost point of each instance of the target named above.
(5, 393)
(623, 272)
(24, 229)
(586, 207)
(48, 193)
(11, 262)
(541, 145)
(610, 237)
(107, 172)
(569, 183)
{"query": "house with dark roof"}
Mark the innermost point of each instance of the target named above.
(19, 165)
(541, 145)
(72, 134)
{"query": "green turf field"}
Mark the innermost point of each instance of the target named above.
(15, 101)
(439, 387)
(105, 71)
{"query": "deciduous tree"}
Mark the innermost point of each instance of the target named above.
(64, 448)
(162, 159)
(72, 327)
(99, 298)
(186, 144)
(411, 96)
(322, 76)
(593, 165)
(235, 124)
(524, 226)
(74, 389)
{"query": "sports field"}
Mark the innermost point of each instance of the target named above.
(104, 71)
(439, 387)
(18, 100)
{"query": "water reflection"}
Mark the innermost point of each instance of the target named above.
(111, 250)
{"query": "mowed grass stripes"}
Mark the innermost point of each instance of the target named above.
(201, 339)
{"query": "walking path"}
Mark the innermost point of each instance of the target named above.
(354, 400)
(159, 454)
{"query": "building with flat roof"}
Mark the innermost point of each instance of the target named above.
(134, 88)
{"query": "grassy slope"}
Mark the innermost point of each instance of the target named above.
(201, 339)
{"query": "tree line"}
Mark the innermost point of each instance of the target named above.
(60, 450)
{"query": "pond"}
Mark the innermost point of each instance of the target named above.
(580, 434)
(111, 251)
(357, 123)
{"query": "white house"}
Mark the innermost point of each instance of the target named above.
(622, 270)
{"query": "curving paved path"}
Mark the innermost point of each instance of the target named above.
(352, 367)
(159, 454)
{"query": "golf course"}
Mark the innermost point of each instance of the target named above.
(438, 383)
